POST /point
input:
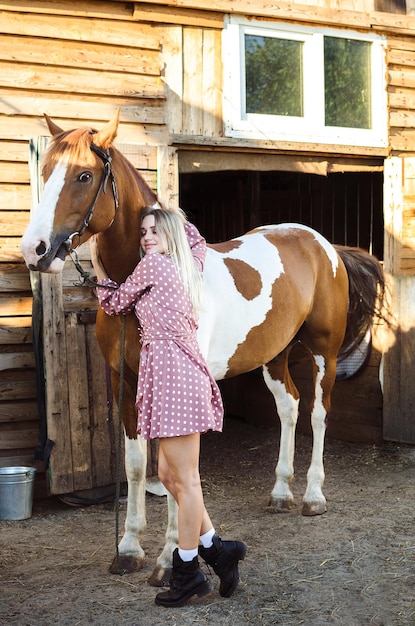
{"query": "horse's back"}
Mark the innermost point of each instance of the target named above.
(260, 288)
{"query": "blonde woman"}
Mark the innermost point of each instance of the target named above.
(177, 398)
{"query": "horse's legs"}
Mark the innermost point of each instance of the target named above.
(314, 502)
(130, 553)
(286, 396)
(281, 385)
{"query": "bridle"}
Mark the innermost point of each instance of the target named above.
(107, 174)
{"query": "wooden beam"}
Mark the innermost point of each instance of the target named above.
(309, 13)
(185, 17)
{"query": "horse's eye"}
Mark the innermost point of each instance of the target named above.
(85, 177)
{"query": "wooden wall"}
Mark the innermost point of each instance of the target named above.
(55, 59)
(162, 64)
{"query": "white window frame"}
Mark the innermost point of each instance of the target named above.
(310, 128)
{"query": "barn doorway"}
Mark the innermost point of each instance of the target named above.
(347, 208)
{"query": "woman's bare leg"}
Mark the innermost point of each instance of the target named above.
(179, 472)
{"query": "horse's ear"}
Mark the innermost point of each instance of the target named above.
(53, 128)
(104, 137)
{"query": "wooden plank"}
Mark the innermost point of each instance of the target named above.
(10, 250)
(25, 128)
(402, 100)
(192, 81)
(23, 388)
(16, 151)
(402, 78)
(402, 119)
(15, 304)
(61, 28)
(76, 298)
(25, 438)
(15, 330)
(168, 177)
(79, 81)
(173, 61)
(391, 6)
(399, 402)
(306, 12)
(13, 223)
(14, 277)
(103, 416)
(212, 77)
(254, 146)
(90, 56)
(187, 17)
(57, 392)
(99, 108)
(78, 403)
(401, 57)
(12, 172)
(19, 411)
(19, 360)
(15, 197)
(402, 139)
(112, 10)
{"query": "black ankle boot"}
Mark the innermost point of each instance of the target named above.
(187, 579)
(223, 557)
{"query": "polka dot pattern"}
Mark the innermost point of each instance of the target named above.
(176, 394)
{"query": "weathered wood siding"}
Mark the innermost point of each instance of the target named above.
(55, 59)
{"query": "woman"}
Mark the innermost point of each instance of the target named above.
(177, 398)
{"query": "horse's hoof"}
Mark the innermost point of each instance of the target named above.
(125, 564)
(313, 508)
(280, 505)
(160, 577)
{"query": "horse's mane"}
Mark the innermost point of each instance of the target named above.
(73, 144)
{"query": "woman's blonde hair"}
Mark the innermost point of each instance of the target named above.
(169, 225)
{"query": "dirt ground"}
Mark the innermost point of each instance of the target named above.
(355, 565)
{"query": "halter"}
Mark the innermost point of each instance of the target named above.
(107, 173)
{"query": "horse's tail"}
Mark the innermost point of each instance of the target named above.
(367, 292)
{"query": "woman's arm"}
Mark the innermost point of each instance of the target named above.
(197, 244)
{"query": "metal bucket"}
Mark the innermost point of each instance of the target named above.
(16, 492)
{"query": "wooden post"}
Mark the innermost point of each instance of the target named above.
(398, 361)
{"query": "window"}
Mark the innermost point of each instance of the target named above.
(292, 83)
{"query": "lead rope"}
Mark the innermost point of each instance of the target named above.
(118, 470)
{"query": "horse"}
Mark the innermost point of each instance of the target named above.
(264, 292)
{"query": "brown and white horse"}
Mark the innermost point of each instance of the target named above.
(264, 291)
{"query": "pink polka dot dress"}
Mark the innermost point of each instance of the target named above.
(176, 394)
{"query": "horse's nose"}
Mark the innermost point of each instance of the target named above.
(41, 248)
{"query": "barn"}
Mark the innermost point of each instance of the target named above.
(328, 142)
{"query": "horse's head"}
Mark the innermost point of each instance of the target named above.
(76, 200)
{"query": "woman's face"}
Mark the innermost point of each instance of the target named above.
(150, 241)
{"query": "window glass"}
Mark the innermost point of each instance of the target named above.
(273, 76)
(347, 85)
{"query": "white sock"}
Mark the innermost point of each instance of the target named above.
(188, 555)
(206, 539)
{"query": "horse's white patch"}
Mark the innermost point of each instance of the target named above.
(41, 223)
(227, 316)
(287, 407)
(326, 245)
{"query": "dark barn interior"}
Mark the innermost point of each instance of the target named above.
(346, 208)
